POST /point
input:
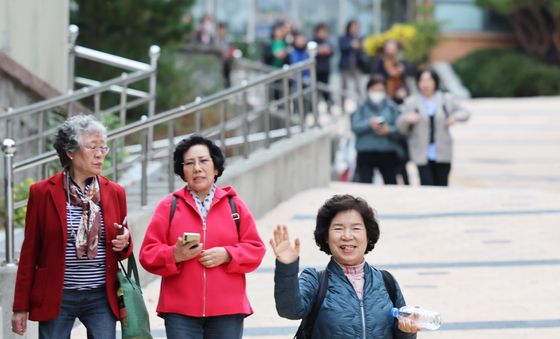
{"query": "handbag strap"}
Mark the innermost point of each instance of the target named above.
(132, 270)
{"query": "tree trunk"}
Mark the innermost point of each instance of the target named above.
(538, 32)
(556, 37)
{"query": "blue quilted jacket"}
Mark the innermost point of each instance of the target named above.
(342, 314)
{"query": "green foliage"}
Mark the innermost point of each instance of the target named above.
(21, 192)
(508, 7)
(417, 38)
(128, 28)
(421, 45)
(507, 73)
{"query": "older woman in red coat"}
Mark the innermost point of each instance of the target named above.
(75, 232)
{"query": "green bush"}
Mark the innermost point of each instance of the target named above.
(21, 192)
(507, 73)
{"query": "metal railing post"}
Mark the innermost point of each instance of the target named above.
(41, 129)
(9, 149)
(73, 32)
(314, 96)
(223, 126)
(246, 131)
(122, 110)
(144, 178)
(267, 115)
(197, 117)
(170, 163)
(312, 51)
(154, 53)
(9, 125)
(97, 104)
(301, 109)
(287, 105)
(114, 160)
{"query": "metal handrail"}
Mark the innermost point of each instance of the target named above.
(134, 71)
(76, 95)
(144, 126)
(110, 59)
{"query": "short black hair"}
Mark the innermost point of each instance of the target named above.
(184, 145)
(432, 73)
(320, 26)
(342, 203)
(375, 79)
(349, 24)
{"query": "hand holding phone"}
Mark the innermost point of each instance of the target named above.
(193, 238)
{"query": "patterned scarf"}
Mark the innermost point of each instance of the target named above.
(89, 231)
(203, 206)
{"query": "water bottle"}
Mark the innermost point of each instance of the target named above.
(426, 319)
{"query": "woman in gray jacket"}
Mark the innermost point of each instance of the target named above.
(357, 303)
(425, 120)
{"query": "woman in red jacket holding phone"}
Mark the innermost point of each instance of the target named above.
(203, 281)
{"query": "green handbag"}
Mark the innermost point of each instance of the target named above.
(135, 321)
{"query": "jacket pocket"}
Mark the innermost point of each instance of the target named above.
(39, 287)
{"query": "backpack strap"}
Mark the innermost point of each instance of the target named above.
(172, 210)
(390, 286)
(306, 327)
(234, 214)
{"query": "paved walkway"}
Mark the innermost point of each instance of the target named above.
(483, 252)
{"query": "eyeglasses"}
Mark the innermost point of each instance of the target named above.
(95, 149)
(191, 163)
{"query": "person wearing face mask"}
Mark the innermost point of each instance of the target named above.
(377, 138)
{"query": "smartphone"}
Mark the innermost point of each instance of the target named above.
(191, 237)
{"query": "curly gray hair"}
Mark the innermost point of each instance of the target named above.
(69, 135)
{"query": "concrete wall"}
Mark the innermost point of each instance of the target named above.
(271, 176)
(454, 46)
(34, 33)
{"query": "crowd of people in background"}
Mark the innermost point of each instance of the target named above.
(390, 126)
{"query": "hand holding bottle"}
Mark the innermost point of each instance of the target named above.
(422, 318)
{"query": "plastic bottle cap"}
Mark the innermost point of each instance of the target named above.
(395, 312)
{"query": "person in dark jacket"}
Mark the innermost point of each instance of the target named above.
(350, 50)
(356, 304)
(323, 58)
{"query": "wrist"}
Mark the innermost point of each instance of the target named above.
(228, 256)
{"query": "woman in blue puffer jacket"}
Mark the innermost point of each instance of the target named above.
(356, 304)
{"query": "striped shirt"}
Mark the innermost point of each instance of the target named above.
(82, 274)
